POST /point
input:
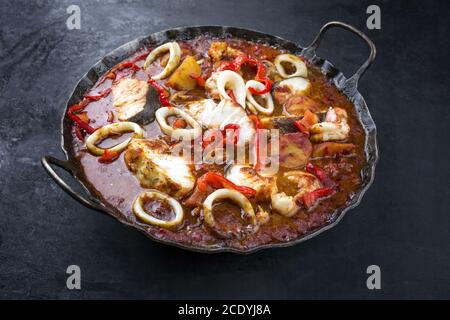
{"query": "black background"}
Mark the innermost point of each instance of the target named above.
(402, 224)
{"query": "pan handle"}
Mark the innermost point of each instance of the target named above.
(47, 161)
(353, 80)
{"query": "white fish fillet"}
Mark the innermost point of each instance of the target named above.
(154, 166)
(129, 97)
(213, 116)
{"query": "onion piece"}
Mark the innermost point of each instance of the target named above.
(139, 211)
(189, 134)
(300, 67)
(113, 129)
(231, 80)
(236, 197)
(296, 85)
(253, 104)
(172, 64)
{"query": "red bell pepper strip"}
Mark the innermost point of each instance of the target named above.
(212, 179)
(79, 133)
(260, 71)
(309, 199)
(228, 65)
(101, 95)
(200, 80)
(80, 123)
(83, 116)
(267, 86)
(209, 136)
(258, 126)
(129, 64)
(232, 96)
(163, 93)
(235, 128)
(112, 73)
(108, 156)
(126, 65)
(319, 173)
(306, 122)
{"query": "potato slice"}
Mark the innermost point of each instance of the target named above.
(181, 79)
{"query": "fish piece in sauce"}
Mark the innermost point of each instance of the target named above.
(213, 116)
(156, 168)
(134, 100)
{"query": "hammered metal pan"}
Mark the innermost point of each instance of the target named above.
(349, 86)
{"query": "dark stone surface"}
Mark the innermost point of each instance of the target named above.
(402, 224)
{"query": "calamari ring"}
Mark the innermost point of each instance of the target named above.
(172, 64)
(230, 79)
(253, 105)
(113, 129)
(299, 65)
(236, 197)
(188, 134)
(139, 210)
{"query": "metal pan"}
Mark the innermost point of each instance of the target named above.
(349, 86)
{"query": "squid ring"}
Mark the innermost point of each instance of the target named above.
(113, 129)
(299, 65)
(254, 106)
(189, 134)
(139, 211)
(233, 81)
(233, 195)
(172, 64)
